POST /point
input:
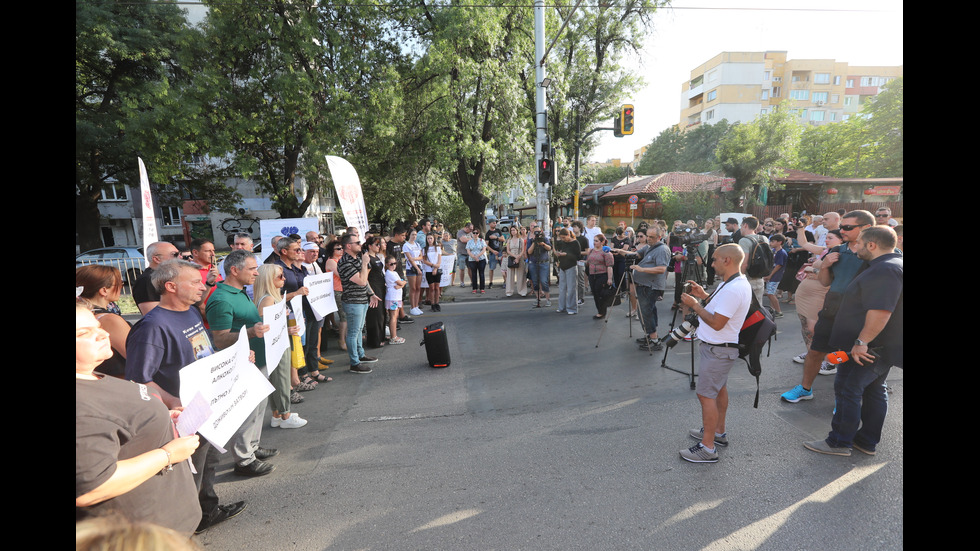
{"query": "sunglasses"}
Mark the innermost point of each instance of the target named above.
(849, 227)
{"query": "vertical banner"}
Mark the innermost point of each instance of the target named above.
(348, 186)
(149, 217)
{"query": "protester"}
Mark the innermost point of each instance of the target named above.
(101, 285)
(599, 264)
(268, 292)
(393, 298)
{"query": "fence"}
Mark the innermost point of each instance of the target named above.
(773, 211)
(130, 268)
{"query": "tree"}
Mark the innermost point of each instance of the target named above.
(831, 149)
(126, 57)
(885, 129)
(290, 82)
(663, 153)
(751, 152)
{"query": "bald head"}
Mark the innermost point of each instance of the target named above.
(727, 260)
(831, 221)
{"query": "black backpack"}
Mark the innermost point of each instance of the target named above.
(757, 329)
(761, 260)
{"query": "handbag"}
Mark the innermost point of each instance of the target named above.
(512, 262)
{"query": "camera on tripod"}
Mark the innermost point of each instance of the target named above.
(682, 331)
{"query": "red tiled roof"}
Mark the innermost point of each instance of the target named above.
(680, 182)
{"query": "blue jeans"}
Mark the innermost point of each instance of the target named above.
(567, 284)
(356, 314)
(646, 297)
(540, 275)
(861, 402)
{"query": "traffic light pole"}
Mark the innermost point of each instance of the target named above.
(541, 144)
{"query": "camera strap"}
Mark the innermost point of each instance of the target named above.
(712, 295)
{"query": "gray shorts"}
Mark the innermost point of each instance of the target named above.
(716, 362)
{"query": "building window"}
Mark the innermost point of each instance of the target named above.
(850, 83)
(713, 95)
(763, 111)
(820, 97)
(799, 94)
(765, 94)
(837, 80)
(711, 76)
(776, 91)
(835, 98)
(115, 191)
(833, 116)
(847, 101)
(821, 78)
(817, 115)
(170, 216)
(766, 75)
(710, 114)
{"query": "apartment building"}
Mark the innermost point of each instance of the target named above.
(740, 86)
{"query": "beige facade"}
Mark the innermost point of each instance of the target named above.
(739, 86)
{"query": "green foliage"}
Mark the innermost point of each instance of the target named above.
(885, 130)
(752, 152)
(691, 151)
(687, 206)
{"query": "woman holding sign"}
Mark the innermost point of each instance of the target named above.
(268, 291)
(128, 459)
(375, 321)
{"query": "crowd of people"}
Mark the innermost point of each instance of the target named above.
(843, 271)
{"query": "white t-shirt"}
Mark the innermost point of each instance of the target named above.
(820, 235)
(413, 250)
(591, 233)
(392, 279)
(733, 300)
(432, 256)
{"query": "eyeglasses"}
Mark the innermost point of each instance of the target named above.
(849, 227)
(186, 257)
(392, 264)
(881, 215)
(281, 276)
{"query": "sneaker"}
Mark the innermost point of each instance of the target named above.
(396, 340)
(560, 311)
(581, 302)
(294, 422)
(436, 308)
(255, 468)
(416, 311)
(826, 368)
(654, 345)
(698, 434)
(406, 319)
(777, 315)
(821, 446)
(801, 359)
(360, 369)
(572, 313)
(547, 303)
(699, 454)
(796, 394)
(863, 449)
(221, 514)
(490, 286)
(367, 359)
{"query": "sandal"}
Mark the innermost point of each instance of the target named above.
(306, 386)
(296, 398)
(396, 340)
(320, 378)
(597, 317)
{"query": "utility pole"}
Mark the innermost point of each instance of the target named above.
(542, 146)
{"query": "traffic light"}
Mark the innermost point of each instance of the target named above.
(626, 120)
(546, 167)
(617, 130)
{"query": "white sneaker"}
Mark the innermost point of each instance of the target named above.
(416, 311)
(801, 359)
(826, 368)
(294, 422)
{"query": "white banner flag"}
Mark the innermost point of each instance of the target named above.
(277, 338)
(149, 218)
(231, 384)
(321, 297)
(348, 186)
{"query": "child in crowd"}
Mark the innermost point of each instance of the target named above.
(393, 299)
(780, 257)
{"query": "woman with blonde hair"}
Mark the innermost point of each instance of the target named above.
(267, 292)
(102, 285)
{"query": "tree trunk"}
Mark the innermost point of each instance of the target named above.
(87, 222)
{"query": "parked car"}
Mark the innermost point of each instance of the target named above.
(129, 260)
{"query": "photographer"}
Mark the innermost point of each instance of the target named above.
(539, 264)
(599, 265)
(568, 252)
(650, 277)
(720, 320)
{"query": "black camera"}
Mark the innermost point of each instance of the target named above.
(538, 236)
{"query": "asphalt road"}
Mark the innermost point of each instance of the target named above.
(535, 438)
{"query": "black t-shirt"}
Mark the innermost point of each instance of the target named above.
(116, 420)
(143, 290)
(491, 238)
(574, 251)
(395, 249)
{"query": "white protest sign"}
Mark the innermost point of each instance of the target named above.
(277, 338)
(446, 265)
(232, 386)
(296, 304)
(321, 297)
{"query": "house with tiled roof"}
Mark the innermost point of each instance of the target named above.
(615, 205)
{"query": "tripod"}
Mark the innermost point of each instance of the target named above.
(612, 299)
(690, 272)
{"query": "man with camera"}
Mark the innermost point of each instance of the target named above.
(539, 264)
(719, 322)
(869, 326)
(650, 277)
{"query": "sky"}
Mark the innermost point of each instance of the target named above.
(859, 32)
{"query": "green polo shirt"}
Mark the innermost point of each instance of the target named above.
(229, 308)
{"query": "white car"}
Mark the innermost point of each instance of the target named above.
(129, 260)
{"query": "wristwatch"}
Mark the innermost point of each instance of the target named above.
(859, 342)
